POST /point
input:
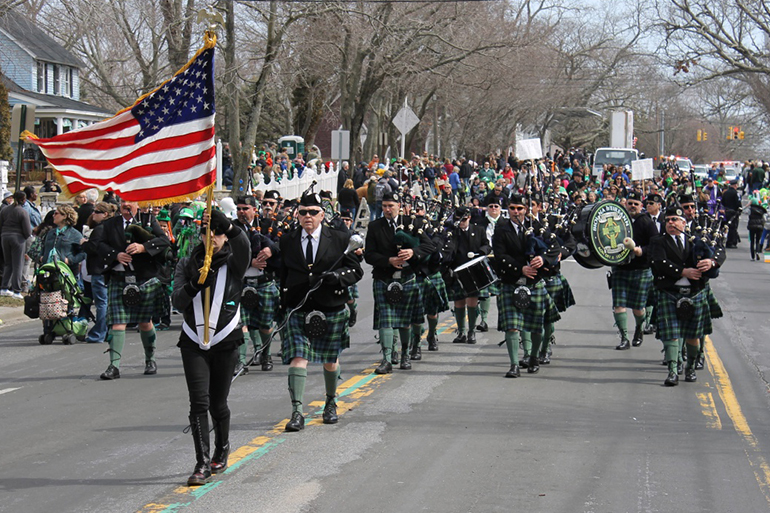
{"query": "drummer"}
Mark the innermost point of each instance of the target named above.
(470, 242)
(494, 209)
(524, 303)
(631, 281)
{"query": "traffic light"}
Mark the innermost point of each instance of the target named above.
(736, 132)
(705, 135)
(730, 134)
(699, 135)
(740, 134)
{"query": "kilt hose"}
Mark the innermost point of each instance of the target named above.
(671, 328)
(151, 301)
(541, 311)
(324, 349)
(434, 293)
(264, 314)
(560, 291)
(406, 312)
(630, 287)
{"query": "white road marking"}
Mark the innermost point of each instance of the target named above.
(6, 390)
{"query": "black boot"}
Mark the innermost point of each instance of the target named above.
(200, 432)
(405, 363)
(330, 411)
(394, 356)
(533, 366)
(638, 336)
(624, 343)
(416, 351)
(221, 445)
(432, 343)
(266, 360)
(385, 367)
(471, 338)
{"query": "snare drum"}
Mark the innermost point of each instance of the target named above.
(599, 232)
(475, 275)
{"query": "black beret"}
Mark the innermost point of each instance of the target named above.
(635, 196)
(310, 200)
(391, 196)
(246, 200)
(516, 199)
(462, 212)
(675, 211)
(685, 198)
(346, 213)
(272, 195)
(655, 197)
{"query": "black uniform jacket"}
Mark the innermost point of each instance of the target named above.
(644, 232)
(510, 252)
(296, 277)
(111, 240)
(473, 240)
(668, 263)
(380, 246)
(259, 242)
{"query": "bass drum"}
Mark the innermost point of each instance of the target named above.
(599, 231)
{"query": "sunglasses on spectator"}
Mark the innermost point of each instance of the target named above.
(99, 212)
(305, 212)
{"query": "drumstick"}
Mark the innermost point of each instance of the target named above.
(629, 243)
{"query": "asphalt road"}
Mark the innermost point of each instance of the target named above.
(595, 431)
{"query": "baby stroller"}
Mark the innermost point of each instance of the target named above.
(60, 300)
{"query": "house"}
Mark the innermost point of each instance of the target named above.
(39, 71)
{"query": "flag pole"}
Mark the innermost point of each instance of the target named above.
(204, 270)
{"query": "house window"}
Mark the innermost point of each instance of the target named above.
(41, 75)
(56, 79)
(65, 82)
(71, 73)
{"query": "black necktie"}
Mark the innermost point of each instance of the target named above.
(679, 245)
(393, 226)
(309, 251)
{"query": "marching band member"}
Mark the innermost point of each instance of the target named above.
(394, 255)
(493, 214)
(314, 256)
(524, 303)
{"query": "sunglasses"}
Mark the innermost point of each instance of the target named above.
(517, 209)
(305, 212)
(99, 212)
(269, 203)
(673, 219)
(241, 209)
(493, 206)
(688, 207)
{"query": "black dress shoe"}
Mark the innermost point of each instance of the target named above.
(672, 380)
(432, 344)
(353, 317)
(385, 367)
(471, 338)
(239, 367)
(416, 354)
(483, 328)
(405, 363)
(297, 422)
(534, 365)
(624, 344)
(700, 363)
(544, 359)
(514, 372)
(649, 329)
(524, 362)
(638, 337)
(460, 339)
(266, 361)
(330, 411)
(112, 372)
(150, 368)
(394, 357)
(689, 375)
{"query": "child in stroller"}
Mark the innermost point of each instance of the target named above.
(60, 300)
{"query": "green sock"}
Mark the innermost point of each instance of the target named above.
(460, 318)
(432, 323)
(692, 355)
(537, 339)
(621, 320)
(265, 341)
(405, 334)
(671, 352)
(547, 332)
(297, 378)
(330, 381)
(526, 337)
(242, 354)
(416, 335)
(512, 344)
(116, 346)
(484, 308)
(473, 314)
(148, 341)
(648, 314)
(386, 340)
(639, 320)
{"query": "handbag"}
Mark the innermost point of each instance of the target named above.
(32, 304)
(53, 306)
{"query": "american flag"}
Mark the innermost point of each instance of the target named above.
(160, 148)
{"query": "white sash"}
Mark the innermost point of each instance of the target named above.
(216, 308)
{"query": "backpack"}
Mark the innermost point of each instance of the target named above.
(380, 189)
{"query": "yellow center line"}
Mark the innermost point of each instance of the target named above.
(709, 410)
(724, 386)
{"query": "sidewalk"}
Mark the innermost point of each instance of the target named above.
(10, 315)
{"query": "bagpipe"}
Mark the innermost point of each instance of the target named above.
(707, 231)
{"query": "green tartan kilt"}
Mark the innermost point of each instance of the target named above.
(433, 293)
(714, 308)
(264, 314)
(353, 291)
(669, 327)
(455, 291)
(492, 290)
(151, 305)
(326, 349)
(402, 315)
(630, 288)
(533, 319)
(560, 291)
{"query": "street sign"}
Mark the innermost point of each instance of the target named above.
(405, 120)
(340, 144)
